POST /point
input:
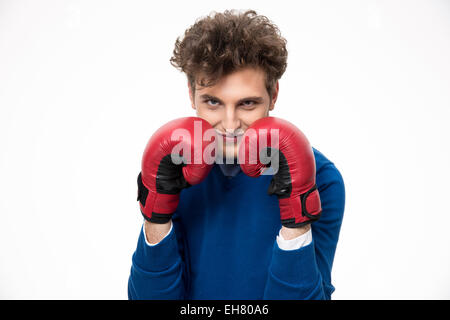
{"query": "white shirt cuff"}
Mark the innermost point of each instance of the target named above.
(154, 244)
(296, 243)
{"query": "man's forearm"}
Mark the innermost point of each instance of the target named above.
(149, 276)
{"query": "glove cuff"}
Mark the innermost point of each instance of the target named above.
(301, 209)
(156, 207)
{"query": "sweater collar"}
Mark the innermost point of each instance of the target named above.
(229, 169)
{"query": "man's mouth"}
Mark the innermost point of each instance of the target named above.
(231, 138)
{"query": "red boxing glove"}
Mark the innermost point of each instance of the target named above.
(277, 143)
(173, 160)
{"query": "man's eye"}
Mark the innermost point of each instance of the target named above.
(212, 102)
(248, 103)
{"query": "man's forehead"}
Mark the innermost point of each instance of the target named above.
(255, 73)
(245, 81)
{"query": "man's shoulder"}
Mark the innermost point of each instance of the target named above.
(326, 171)
(331, 188)
(321, 160)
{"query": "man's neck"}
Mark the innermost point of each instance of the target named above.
(229, 169)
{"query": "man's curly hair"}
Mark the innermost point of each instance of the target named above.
(221, 43)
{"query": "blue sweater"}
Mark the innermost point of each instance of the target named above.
(223, 244)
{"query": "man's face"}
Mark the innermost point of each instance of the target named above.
(233, 104)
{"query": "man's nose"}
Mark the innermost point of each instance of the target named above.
(230, 121)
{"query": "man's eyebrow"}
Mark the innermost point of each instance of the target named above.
(254, 98)
(207, 96)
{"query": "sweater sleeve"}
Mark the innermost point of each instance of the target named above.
(305, 273)
(156, 270)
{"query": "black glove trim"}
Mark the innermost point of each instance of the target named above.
(303, 198)
(159, 218)
(169, 178)
(142, 190)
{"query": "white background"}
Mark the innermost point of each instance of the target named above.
(84, 84)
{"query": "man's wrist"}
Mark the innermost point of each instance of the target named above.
(298, 242)
(155, 232)
(291, 233)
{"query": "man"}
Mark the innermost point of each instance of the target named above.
(213, 231)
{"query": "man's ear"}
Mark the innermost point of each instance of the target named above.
(191, 96)
(274, 97)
